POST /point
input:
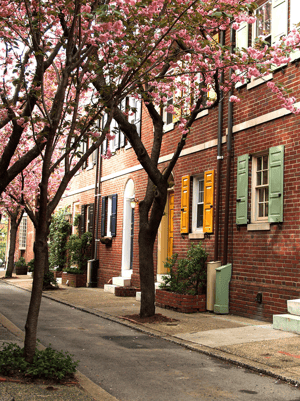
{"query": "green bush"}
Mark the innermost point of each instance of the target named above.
(189, 276)
(78, 248)
(59, 231)
(47, 363)
(21, 262)
(49, 280)
(31, 265)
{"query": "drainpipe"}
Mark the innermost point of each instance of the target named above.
(97, 200)
(228, 163)
(219, 159)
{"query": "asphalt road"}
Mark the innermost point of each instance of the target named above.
(133, 366)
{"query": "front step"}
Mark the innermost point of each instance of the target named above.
(121, 281)
(293, 306)
(287, 322)
(110, 288)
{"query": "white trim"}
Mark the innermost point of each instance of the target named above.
(185, 152)
(78, 191)
(202, 114)
(196, 235)
(258, 81)
(258, 227)
(273, 115)
(195, 194)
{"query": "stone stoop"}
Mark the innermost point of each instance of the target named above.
(117, 282)
(289, 321)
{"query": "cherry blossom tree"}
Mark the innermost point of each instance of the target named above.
(66, 62)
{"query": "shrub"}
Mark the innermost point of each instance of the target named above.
(47, 363)
(31, 265)
(78, 248)
(21, 262)
(49, 280)
(60, 229)
(73, 270)
(189, 277)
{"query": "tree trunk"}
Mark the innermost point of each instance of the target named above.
(40, 255)
(146, 246)
(12, 245)
(154, 203)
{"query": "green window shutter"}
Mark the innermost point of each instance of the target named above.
(279, 19)
(113, 221)
(91, 218)
(242, 190)
(82, 219)
(276, 158)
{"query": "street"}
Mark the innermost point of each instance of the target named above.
(133, 366)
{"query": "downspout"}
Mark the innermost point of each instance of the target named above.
(97, 201)
(219, 159)
(228, 162)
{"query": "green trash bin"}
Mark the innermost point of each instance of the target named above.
(223, 276)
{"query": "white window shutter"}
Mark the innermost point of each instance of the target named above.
(242, 36)
(279, 19)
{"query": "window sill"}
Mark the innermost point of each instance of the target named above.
(259, 81)
(202, 114)
(258, 227)
(90, 167)
(196, 236)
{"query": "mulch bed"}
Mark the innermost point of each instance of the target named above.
(157, 318)
(16, 377)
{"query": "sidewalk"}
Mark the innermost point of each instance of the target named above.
(245, 342)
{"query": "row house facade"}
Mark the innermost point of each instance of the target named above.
(235, 187)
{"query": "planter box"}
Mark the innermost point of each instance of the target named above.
(126, 291)
(57, 274)
(21, 271)
(74, 280)
(179, 302)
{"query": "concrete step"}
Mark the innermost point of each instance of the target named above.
(110, 288)
(121, 281)
(287, 322)
(293, 306)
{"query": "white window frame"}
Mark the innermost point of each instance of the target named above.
(255, 189)
(108, 216)
(23, 233)
(195, 202)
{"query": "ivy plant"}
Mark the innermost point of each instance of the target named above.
(60, 229)
(79, 249)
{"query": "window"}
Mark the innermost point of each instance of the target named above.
(198, 203)
(76, 211)
(87, 218)
(23, 233)
(272, 20)
(135, 117)
(266, 188)
(260, 188)
(202, 203)
(109, 216)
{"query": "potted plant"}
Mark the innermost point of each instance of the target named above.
(78, 247)
(21, 266)
(184, 288)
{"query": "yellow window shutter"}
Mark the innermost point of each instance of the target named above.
(208, 212)
(185, 197)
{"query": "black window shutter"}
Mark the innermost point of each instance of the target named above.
(91, 218)
(113, 217)
(103, 213)
(82, 219)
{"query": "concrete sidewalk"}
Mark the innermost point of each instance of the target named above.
(245, 342)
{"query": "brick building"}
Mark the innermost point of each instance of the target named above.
(234, 187)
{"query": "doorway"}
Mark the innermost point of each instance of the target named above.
(128, 229)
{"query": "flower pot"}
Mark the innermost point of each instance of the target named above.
(180, 302)
(21, 270)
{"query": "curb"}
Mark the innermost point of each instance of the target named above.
(203, 349)
(90, 387)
